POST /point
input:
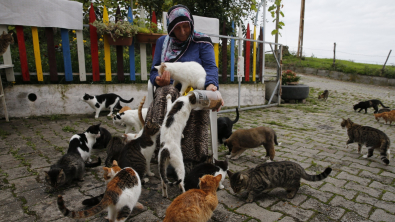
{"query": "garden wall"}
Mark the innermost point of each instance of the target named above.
(373, 80)
(66, 99)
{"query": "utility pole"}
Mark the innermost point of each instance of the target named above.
(334, 54)
(382, 70)
(301, 27)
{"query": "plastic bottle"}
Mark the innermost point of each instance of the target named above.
(207, 99)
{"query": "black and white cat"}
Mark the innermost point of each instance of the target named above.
(219, 167)
(103, 140)
(225, 126)
(83, 143)
(170, 136)
(130, 119)
(109, 101)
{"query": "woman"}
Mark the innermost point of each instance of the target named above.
(183, 44)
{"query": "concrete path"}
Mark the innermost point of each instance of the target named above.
(358, 189)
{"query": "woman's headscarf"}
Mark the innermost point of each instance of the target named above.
(172, 48)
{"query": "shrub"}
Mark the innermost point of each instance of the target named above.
(116, 29)
(289, 76)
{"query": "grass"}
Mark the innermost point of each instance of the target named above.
(344, 66)
(4, 134)
(69, 129)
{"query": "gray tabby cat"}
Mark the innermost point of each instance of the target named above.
(114, 149)
(5, 41)
(265, 176)
(370, 137)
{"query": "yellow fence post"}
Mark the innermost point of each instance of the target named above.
(107, 53)
(37, 56)
(216, 53)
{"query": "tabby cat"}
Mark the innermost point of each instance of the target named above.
(285, 174)
(120, 197)
(324, 95)
(5, 41)
(114, 149)
(69, 167)
(370, 137)
(219, 167)
(367, 104)
(195, 205)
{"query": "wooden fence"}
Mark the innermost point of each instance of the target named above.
(94, 53)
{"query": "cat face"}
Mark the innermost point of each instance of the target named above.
(94, 130)
(7, 37)
(237, 181)
(87, 97)
(221, 164)
(161, 68)
(109, 173)
(55, 177)
(346, 123)
(210, 182)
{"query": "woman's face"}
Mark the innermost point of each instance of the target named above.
(182, 31)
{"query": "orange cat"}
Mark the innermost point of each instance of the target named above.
(377, 116)
(124, 109)
(195, 205)
(389, 116)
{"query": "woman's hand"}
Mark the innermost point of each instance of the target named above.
(164, 79)
(214, 88)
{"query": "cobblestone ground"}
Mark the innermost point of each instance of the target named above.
(358, 189)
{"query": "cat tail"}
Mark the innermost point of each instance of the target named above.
(98, 163)
(140, 113)
(385, 146)
(125, 101)
(383, 105)
(92, 201)
(163, 164)
(237, 116)
(275, 139)
(318, 177)
(84, 213)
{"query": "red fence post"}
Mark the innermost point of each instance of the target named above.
(22, 53)
(94, 45)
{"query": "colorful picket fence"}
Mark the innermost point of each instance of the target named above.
(94, 50)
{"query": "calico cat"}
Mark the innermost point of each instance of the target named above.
(324, 95)
(367, 104)
(109, 101)
(68, 168)
(187, 73)
(83, 143)
(170, 136)
(195, 205)
(219, 167)
(5, 41)
(243, 139)
(225, 126)
(130, 119)
(285, 174)
(120, 197)
(103, 140)
(370, 137)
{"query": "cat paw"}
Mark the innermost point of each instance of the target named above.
(96, 117)
(151, 174)
(365, 156)
(268, 161)
(249, 200)
(110, 114)
(228, 156)
(221, 186)
(235, 158)
(168, 96)
(146, 180)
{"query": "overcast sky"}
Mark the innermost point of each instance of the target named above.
(364, 31)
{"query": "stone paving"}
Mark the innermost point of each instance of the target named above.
(358, 189)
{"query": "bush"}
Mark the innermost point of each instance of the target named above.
(289, 76)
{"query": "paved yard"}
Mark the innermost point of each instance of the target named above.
(357, 189)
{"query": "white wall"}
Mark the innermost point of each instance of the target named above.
(66, 99)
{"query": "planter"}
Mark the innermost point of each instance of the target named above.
(294, 92)
(148, 37)
(269, 87)
(125, 41)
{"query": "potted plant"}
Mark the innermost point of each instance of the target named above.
(147, 32)
(118, 33)
(291, 89)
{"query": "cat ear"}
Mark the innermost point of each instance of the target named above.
(163, 64)
(114, 163)
(98, 125)
(61, 173)
(218, 178)
(105, 169)
(230, 174)
(157, 67)
(46, 173)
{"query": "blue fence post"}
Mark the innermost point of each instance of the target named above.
(131, 51)
(68, 73)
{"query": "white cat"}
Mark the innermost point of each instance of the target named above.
(170, 137)
(130, 118)
(186, 73)
(109, 101)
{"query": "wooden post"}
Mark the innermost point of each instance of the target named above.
(51, 55)
(94, 45)
(143, 53)
(261, 53)
(301, 27)
(382, 71)
(247, 55)
(81, 55)
(224, 55)
(107, 53)
(22, 53)
(334, 54)
(37, 56)
(153, 20)
(120, 71)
